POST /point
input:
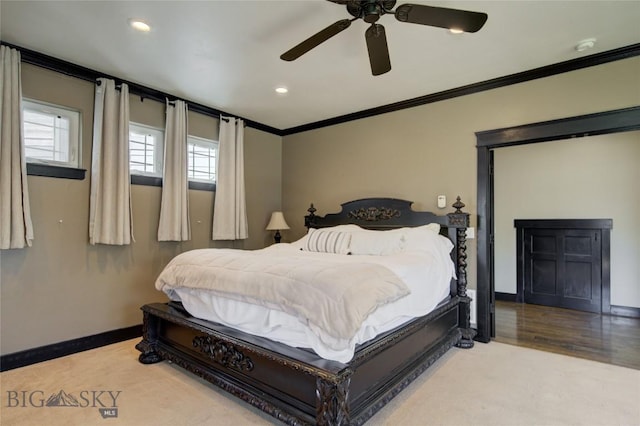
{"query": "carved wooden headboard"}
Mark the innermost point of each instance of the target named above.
(385, 213)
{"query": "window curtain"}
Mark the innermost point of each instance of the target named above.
(16, 229)
(174, 207)
(110, 203)
(229, 211)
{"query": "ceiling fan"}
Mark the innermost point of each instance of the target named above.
(371, 10)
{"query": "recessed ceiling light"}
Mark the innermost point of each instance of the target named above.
(281, 90)
(139, 25)
(586, 44)
(455, 31)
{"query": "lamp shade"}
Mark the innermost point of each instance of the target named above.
(277, 222)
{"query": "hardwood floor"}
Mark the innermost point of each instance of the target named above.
(604, 338)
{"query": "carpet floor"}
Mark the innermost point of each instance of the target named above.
(491, 384)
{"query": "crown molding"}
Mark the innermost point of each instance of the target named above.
(541, 72)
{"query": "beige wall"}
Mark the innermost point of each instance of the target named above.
(419, 153)
(63, 288)
(587, 178)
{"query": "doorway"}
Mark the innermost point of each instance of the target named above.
(616, 121)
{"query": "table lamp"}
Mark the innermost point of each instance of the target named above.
(277, 223)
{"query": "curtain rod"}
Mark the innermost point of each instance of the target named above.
(171, 102)
(167, 99)
(73, 70)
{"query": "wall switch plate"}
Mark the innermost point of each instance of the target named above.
(442, 201)
(471, 233)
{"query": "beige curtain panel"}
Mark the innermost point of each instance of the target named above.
(174, 208)
(16, 229)
(229, 209)
(110, 203)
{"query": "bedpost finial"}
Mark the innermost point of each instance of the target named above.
(310, 219)
(458, 205)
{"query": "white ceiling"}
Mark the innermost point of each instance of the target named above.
(225, 54)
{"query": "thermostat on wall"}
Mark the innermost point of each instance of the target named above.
(442, 201)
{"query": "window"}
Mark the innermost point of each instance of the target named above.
(145, 150)
(51, 134)
(202, 155)
(146, 155)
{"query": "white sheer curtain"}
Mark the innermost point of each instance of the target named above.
(230, 211)
(174, 208)
(16, 229)
(110, 204)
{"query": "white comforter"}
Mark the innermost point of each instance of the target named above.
(331, 296)
(390, 291)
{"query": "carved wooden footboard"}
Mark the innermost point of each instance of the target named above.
(295, 385)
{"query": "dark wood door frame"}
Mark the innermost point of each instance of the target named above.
(621, 120)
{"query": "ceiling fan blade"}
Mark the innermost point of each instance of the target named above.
(378, 49)
(339, 1)
(467, 21)
(315, 40)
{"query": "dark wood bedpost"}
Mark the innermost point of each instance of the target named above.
(149, 338)
(460, 220)
(332, 398)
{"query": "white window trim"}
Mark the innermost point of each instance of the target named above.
(158, 156)
(208, 143)
(75, 131)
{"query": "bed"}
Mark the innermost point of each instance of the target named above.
(295, 384)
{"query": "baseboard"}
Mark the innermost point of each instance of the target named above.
(507, 297)
(57, 350)
(625, 311)
(472, 308)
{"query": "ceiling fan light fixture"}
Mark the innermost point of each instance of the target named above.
(281, 90)
(370, 11)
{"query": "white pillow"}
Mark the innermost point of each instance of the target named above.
(301, 243)
(425, 240)
(377, 243)
(435, 227)
(327, 241)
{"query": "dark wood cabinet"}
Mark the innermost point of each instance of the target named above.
(564, 263)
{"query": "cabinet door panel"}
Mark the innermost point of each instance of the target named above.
(562, 267)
